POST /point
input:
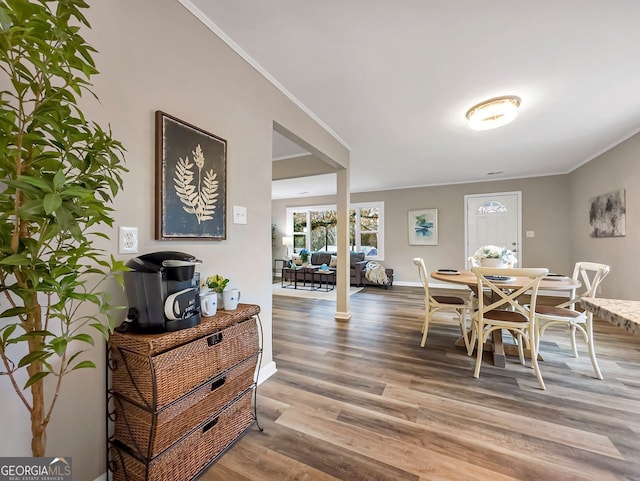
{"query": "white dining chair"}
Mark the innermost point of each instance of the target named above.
(473, 262)
(501, 310)
(590, 274)
(432, 304)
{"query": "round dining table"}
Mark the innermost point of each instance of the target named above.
(552, 282)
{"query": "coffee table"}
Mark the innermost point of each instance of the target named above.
(309, 278)
(298, 278)
(328, 278)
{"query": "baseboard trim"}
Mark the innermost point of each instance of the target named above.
(406, 284)
(266, 372)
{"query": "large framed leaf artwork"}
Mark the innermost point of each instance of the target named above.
(191, 176)
(423, 227)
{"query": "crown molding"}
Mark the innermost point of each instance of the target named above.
(196, 12)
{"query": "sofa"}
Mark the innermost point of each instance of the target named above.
(357, 269)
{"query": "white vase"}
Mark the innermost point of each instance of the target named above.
(486, 262)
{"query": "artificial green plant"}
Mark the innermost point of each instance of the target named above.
(59, 174)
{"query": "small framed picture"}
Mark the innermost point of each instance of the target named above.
(423, 227)
(191, 181)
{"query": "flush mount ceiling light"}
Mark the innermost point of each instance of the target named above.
(493, 113)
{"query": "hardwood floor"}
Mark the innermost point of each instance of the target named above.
(360, 400)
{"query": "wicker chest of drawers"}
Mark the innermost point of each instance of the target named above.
(178, 400)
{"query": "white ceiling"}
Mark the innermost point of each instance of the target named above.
(393, 81)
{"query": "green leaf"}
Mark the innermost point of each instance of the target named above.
(64, 218)
(15, 260)
(52, 202)
(5, 20)
(76, 191)
(51, 231)
(35, 378)
(7, 331)
(59, 345)
(101, 328)
(76, 354)
(31, 210)
(59, 180)
(32, 334)
(13, 311)
(84, 364)
(33, 357)
(37, 182)
(83, 338)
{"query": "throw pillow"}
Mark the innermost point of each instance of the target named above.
(296, 260)
(355, 257)
(334, 261)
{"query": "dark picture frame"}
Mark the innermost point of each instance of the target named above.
(191, 181)
(607, 215)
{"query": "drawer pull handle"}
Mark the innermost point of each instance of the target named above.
(215, 339)
(219, 383)
(209, 425)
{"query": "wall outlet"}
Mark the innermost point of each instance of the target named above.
(128, 240)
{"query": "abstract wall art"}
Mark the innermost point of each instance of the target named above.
(607, 215)
(423, 227)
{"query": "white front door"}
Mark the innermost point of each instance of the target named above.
(493, 219)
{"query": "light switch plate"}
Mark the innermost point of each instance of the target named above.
(531, 233)
(239, 215)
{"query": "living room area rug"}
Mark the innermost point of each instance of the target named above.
(278, 290)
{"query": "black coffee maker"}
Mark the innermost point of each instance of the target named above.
(162, 289)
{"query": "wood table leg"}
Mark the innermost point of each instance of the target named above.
(499, 349)
(512, 350)
(494, 346)
(499, 358)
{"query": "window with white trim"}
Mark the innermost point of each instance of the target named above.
(315, 228)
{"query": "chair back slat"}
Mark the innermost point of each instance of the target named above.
(503, 297)
(590, 275)
(424, 276)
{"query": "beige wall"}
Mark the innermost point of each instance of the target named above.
(619, 168)
(158, 56)
(545, 210)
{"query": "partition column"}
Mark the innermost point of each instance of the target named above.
(343, 311)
